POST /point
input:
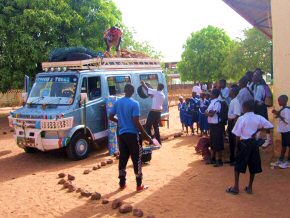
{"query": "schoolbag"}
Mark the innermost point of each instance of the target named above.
(268, 100)
(223, 114)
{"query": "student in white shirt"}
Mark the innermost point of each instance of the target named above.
(196, 88)
(259, 97)
(154, 116)
(233, 114)
(248, 155)
(225, 91)
(284, 128)
(245, 93)
(216, 129)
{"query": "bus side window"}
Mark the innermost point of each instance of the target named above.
(151, 79)
(94, 88)
(116, 84)
(84, 85)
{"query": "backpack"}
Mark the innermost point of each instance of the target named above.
(223, 114)
(268, 100)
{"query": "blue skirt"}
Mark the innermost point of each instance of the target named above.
(203, 124)
(195, 116)
(181, 116)
(188, 120)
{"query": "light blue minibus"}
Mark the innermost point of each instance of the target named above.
(65, 107)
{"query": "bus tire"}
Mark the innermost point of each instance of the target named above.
(78, 148)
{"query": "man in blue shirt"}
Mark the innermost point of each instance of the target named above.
(128, 113)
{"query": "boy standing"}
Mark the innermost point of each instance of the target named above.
(246, 128)
(216, 129)
(284, 128)
(233, 115)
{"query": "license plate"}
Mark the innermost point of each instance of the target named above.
(26, 141)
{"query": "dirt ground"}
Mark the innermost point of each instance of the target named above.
(181, 185)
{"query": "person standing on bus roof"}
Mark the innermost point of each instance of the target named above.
(154, 115)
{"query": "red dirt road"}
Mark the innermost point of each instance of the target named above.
(181, 185)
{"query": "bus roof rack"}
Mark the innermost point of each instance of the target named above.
(104, 63)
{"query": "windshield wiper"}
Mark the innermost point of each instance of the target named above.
(36, 100)
(53, 101)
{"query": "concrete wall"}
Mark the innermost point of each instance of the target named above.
(281, 49)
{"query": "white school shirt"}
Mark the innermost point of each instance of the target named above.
(234, 109)
(283, 127)
(197, 90)
(259, 93)
(216, 107)
(248, 124)
(157, 100)
(225, 92)
(245, 95)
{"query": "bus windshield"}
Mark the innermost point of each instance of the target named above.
(53, 90)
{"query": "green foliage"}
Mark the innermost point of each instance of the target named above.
(210, 54)
(31, 29)
(204, 54)
(254, 51)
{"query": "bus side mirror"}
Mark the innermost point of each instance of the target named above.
(25, 94)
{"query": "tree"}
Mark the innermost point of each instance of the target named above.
(254, 51)
(204, 54)
(31, 29)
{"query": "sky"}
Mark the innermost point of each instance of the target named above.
(166, 24)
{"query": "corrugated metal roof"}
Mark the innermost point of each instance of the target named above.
(256, 12)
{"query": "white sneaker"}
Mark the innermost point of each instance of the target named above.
(276, 164)
(267, 143)
(284, 165)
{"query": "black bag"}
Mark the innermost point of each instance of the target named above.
(223, 114)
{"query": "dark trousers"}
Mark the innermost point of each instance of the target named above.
(153, 119)
(129, 146)
(232, 140)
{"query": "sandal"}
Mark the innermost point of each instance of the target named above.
(248, 190)
(231, 190)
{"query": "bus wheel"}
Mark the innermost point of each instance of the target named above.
(78, 147)
(30, 150)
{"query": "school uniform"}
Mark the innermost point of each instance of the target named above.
(259, 97)
(181, 108)
(233, 113)
(203, 123)
(215, 126)
(154, 116)
(225, 95)
(248, 150)
(195, 102)
(188, 115)
(284, 127)
(245, 94)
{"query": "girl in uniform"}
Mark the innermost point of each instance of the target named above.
(188, 115)
(203, 123)
(181, 109)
